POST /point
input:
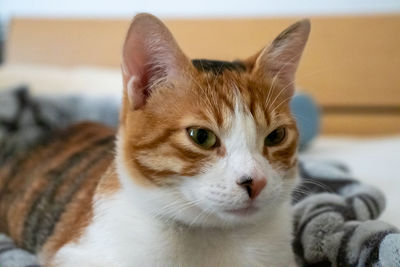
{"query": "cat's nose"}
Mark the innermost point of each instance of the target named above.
(251, 185)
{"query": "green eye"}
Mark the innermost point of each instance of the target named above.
(203, 137)
(275, 137)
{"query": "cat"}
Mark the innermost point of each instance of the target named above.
(199, 172)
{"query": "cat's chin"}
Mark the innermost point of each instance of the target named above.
(222, 218)
(247, 211)
(250, 215)
(221, 221)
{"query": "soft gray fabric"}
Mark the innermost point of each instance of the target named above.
(389, 254)
(11, 256)
(335, 220)
(25, 120)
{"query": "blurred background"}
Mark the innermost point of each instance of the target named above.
(188, 9)
(350, 67)
(348, 102)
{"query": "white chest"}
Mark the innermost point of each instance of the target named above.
(126, 238)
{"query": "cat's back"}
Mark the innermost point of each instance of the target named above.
(54, 184)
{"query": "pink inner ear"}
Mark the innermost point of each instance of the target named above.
(137, 93)
(150, 56)
(137, 73)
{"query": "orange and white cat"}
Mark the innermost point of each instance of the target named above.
(201, 172)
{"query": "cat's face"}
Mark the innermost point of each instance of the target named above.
(207, 143)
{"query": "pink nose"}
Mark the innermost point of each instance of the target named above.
(251, 185)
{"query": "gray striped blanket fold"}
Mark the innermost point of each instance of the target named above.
(11, 256)
(335, 216)
(335, 221)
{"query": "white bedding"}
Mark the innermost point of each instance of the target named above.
(375, 161)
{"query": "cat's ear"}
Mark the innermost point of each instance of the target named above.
(150, 56)
(280, 59)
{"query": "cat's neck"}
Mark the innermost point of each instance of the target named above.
(132, 230)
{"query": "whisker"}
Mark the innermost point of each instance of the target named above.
(290, 61)
(282, 102)
(318, 184)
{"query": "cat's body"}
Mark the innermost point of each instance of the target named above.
(199, 173)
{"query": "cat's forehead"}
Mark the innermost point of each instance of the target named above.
(225, 87)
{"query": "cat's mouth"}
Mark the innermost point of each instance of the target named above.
(249, 210)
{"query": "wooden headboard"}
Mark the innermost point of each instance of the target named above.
(351, 64)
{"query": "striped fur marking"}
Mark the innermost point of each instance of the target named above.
(48, 207)
(40, 193)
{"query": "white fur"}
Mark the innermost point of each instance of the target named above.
(187, 224)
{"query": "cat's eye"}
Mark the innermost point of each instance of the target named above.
(276, 137)
(203, 137)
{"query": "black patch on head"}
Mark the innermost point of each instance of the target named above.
(218, 66)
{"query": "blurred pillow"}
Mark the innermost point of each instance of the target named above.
(62, 80)
(307, 115)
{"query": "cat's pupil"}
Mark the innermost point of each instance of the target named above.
(275, 137)
(202, 136)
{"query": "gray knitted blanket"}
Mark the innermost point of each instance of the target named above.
(335, 216)
(335, 222)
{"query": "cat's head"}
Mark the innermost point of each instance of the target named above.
(207, 142)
